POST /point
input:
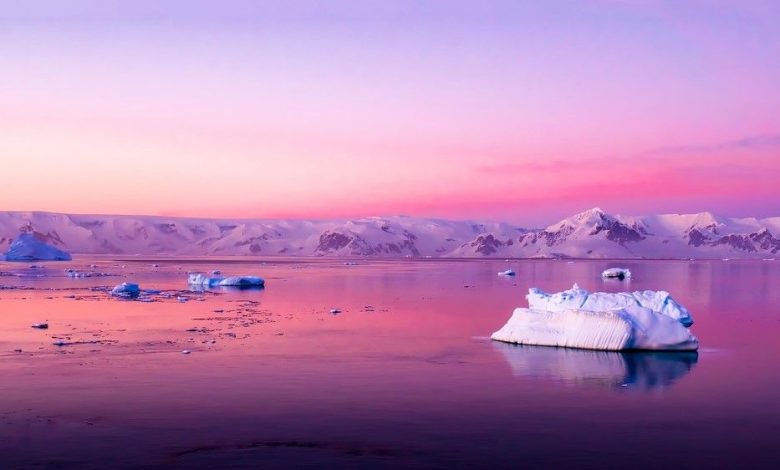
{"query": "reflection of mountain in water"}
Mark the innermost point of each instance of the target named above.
(633, 370)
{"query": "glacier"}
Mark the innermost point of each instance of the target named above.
(28, 247)
(575, 318)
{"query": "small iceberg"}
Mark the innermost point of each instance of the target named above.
(29, 247)
(242, 282)
(616, 273)
(508, 272)
(126, 290)
(601, 321)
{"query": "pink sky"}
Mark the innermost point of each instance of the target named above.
(508, 110)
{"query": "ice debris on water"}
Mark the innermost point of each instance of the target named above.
(126, 290)
(616, 273)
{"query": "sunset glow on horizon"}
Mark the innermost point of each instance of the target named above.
(520, 111)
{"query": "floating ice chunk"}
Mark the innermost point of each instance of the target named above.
(635, 371)
(627, 329)
(242, 281)
(616, 273)
(508, 272)
(577, 298)
(126, 290)
(201, 280)
(576, 318)
(28, 247)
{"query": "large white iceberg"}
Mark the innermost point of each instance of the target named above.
(28, 247)
(201, 280)
(609, 322)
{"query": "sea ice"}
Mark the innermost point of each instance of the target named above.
(126, 290)
(28, 247)
(612, 322)
(616, 273)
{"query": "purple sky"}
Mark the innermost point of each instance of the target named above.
(524, 111)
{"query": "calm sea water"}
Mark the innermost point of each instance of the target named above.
(404, 376)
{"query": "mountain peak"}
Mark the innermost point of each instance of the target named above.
(585, 218)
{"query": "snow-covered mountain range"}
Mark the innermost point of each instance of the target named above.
(590, 234)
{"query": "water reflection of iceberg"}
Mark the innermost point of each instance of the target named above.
(631, 370)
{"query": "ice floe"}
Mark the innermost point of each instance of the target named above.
(616, 273)
(28, 247)
(575, 318)
(201, 280)
(126, 290)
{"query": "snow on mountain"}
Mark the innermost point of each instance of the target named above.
(590, 234)
(28, 246)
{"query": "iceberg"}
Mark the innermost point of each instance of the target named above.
(126, 290)
(243, 282)
(600, 321)
(28, 247)
(616, 273)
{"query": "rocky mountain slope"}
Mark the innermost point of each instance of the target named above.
(590, 234)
